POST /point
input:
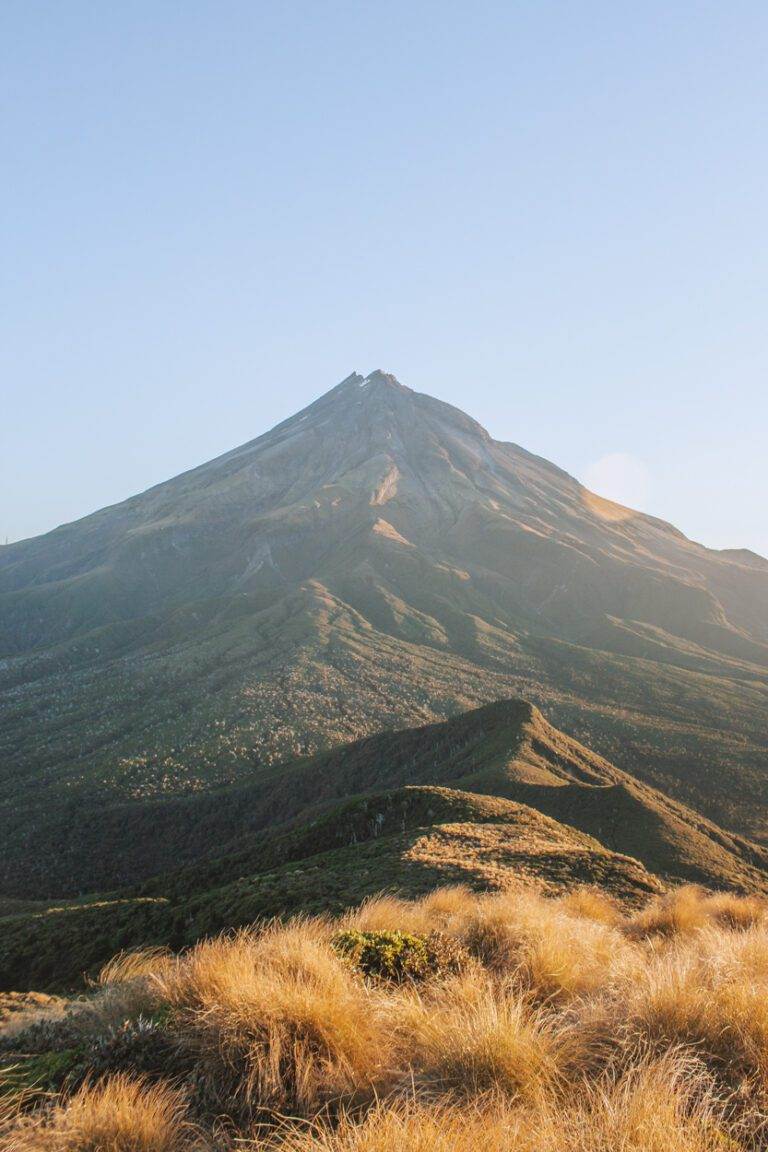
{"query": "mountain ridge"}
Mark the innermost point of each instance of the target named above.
(492, 799)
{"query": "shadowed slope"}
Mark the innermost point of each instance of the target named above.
(506, 749)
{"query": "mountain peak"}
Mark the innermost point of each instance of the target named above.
(381, 379)
(374, 381)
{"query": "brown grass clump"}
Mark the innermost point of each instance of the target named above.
(662, 1107)
(275, 1019)
(658, 1106)
(553, 954)
(710, 994)
(737, 912)
(591, 904)
(402, 1127)
(445, 910)
(387, 913)
(678, 913)
(472, 1037)
(135, 966)
(115, 1115)
(126, 988)
(689, 909)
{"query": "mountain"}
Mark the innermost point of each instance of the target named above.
(375, 561)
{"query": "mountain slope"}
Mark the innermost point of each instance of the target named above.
(409, 840)
(506, 751)
(374, 561)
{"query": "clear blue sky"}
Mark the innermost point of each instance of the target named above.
(550, 214)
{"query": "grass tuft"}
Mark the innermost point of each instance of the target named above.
(118, 1114)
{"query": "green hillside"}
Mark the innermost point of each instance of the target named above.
(504, 749)
(410, 840)
(494, 798)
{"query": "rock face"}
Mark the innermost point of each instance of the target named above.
(375, 560)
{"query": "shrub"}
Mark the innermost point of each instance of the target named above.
(399, 956)
(40, 1072)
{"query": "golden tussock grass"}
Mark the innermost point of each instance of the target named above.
(119, 1114)
(659, 1107)
(591, 904)
(276, 1019)
(688, 910)
(471, 1037)
(575, 1027)
(129, 967)
(710, 993)
(551, 951)
(125, 989)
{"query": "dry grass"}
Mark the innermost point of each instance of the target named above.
(276, 1019)
(130, 967)
(471, 1037)
(710, 993)
(27, 1014)
(659, 1107)
(552, 952)
(576, 1028)
(688, 910)
(117, 1115)
(125, 989)
(590, 903)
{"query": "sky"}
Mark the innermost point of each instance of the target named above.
(552, 215)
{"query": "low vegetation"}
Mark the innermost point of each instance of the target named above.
(512, 1021)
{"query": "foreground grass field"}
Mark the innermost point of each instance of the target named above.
(508, 1021)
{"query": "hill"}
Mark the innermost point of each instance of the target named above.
(506, 749)
(492, 799)
(377, 560)
(409, 840)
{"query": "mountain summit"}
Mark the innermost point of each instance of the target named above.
(375, 560)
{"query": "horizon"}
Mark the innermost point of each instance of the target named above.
(551, 219)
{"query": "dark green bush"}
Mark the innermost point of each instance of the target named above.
(399, 956)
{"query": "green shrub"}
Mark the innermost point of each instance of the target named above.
(41, 1072)
(399, 956)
